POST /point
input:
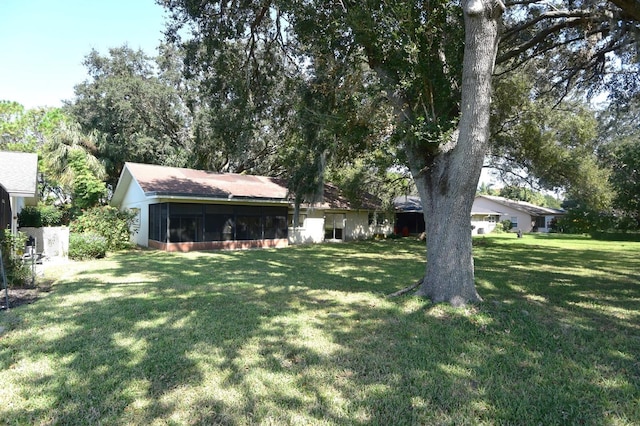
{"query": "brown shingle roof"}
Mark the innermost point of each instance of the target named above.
(174, 181)
(333, 198)
(160, 180)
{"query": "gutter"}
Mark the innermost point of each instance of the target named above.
(231, 199)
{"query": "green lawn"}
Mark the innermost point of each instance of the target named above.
(305, 335)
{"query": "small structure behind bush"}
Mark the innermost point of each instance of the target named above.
(51, 241)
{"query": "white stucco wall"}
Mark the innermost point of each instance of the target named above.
(482, 224)
(486, 206)
(135, 199)
(311, 229)
(356, 226)
(52, 241)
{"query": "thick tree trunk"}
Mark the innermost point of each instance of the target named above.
(447, 184)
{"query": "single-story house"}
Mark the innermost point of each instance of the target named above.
(486, 212)
(489, 210)
(18, 186)
(180, 209)
(409, 215)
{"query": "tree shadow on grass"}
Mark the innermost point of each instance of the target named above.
(302, 335)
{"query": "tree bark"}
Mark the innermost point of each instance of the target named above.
(447, 184)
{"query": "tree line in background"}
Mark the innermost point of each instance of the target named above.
(136, 108)
(365, 94)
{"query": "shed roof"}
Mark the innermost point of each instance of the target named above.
(19, 173)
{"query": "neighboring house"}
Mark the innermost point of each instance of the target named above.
(489, 210)
(409, 215)
(18, 186)
(486, 212)
(181, 209)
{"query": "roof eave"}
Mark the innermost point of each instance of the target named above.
(206, 197)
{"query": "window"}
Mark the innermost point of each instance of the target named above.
(135, 222)
(219, 227)
(514, 222)
(334, 226)
(219, 223)
(301, 219)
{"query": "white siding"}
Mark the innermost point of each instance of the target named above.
(134, 198)
(311, 230)
(485, 207)
(483, 224)
(356, 226)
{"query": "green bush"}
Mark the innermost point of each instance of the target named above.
(18, 274)
(108, 222)
(87, 245)
(40, 215)
(503, 226)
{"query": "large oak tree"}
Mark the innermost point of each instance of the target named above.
(433, 61)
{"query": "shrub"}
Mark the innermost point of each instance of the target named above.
(87, 245)
(108, 222)
(503, 226)
(18, 274)
(40, 215)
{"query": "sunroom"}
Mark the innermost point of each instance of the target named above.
(196, 226)
(184, 209)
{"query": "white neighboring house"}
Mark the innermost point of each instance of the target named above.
(489, 210)
(18, 186)
(181, 209)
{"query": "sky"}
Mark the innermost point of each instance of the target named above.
(43, 42)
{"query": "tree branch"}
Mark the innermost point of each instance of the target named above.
(406, 289)
(556, 14)
(629, 7)
(539, 38)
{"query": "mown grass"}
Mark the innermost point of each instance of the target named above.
(305, 335)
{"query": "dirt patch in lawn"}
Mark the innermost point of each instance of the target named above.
(23, 295)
